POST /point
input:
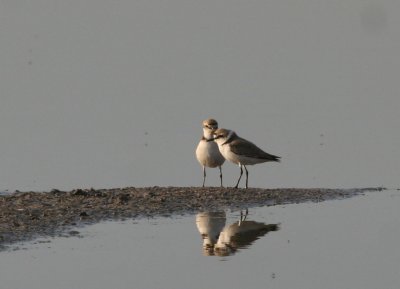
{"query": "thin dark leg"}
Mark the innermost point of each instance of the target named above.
(220, 175)
(241, 173)
(247, 177)
(204, 175)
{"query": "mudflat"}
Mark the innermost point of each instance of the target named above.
(28, 215)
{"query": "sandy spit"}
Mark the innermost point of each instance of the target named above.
(29, 215)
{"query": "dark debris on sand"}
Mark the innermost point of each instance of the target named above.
(27, 215)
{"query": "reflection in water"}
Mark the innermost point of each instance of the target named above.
(210, 225)
(223, 240)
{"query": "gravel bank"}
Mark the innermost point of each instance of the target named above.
(28, 215)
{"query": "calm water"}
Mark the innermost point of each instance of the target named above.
(339, 244)
(103, 94)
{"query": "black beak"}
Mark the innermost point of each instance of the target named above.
(211, 139)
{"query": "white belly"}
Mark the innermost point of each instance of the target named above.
(208, 154)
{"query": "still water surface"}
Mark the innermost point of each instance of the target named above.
(350, 243)
(99, 94)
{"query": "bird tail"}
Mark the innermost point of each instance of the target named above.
(274, 158)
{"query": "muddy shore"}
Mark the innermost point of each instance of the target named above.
(29, 215)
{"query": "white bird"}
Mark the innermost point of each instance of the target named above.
(240, 151)
(207, 152)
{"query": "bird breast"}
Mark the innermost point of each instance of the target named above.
(228, 154)
(208, 154)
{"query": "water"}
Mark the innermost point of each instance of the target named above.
(351, 243)
(103, 94)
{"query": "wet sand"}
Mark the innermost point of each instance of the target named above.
(29, 215)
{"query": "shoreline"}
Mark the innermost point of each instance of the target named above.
(29, 215)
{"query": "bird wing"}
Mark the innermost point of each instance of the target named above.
(248, 149)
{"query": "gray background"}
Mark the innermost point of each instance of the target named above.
(112, 93)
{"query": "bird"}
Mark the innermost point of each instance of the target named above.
(240, 151)
(207, 153)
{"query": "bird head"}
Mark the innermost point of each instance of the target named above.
(209, 126)
(222, 135)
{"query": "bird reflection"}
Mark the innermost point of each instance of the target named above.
(210, 225)
(223, 240)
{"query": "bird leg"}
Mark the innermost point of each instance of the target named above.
(220, 175)
(241, 173)
(204, 175)
(247, 177)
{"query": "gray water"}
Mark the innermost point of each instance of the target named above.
(351, 243)
(112, 93)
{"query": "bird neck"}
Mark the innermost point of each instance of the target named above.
(231, 136)
(207, 134)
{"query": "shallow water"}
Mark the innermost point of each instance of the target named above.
(350, 243)
(115, 96)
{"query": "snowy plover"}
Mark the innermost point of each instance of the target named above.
(207, 152)
(240, 151)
